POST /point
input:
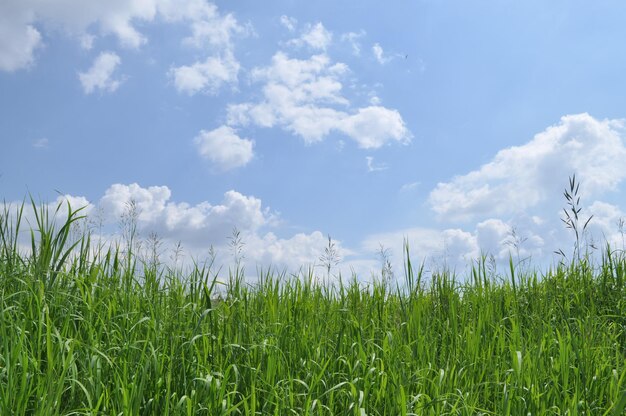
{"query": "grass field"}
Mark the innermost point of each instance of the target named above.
(101, 334)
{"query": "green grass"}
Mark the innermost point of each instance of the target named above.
(88, 334)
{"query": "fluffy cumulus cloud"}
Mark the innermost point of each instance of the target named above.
(528, 240)
(374, 126)
(314, 36)
(608, 223)
(100, 75)
(520, 237)
(453, 247)
(21, 22)
(213, 31)
(206, 76)
(492, 236)
(512, 206)
(204, 224)
(199, 229)
(209, 27)
(300, 250)
(224, 148)
(18, 37)
(197, 226)
(304, 97)
(21, 25)
(526, 176)
(57, 214)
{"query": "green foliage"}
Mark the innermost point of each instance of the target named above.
(85, 333)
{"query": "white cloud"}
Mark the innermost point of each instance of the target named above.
(224, 148)
(207, 76)
(457, 248)
(318, 37)
(516, 198)
(374, 168)
(19, 37)
(289, 22)
(203, 224)
(57, 215)
(379, 54)
(315, 36)
(100, 75)
(374, 126)
(453, 247)
(210, 30)
(74, 17)
(605, 215)
(304, 97)
(608, 223)
(197, 226)
(492, 235)
(353, 39)
(300, 250)
(213, 30)
(523, 177)
(150, 201)
(383, 58)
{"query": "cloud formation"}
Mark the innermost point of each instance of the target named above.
(522, 177)
(316, 36)
(20, 20)
(452, 247)
(202, 225)
(371, 167)
(100, 75)
(207, 76)
(18, 37)
(21, 36)
(512, 205)
(303, 96)
(197, 225)
(379, 54)
(211, 31)
(224, 148)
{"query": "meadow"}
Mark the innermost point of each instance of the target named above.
(87, 330)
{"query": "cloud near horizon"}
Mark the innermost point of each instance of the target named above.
(523, 177)
(198, 227)
(513, 204)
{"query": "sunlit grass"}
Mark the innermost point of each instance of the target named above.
(85, 333)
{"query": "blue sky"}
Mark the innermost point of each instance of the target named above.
(448, 123)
